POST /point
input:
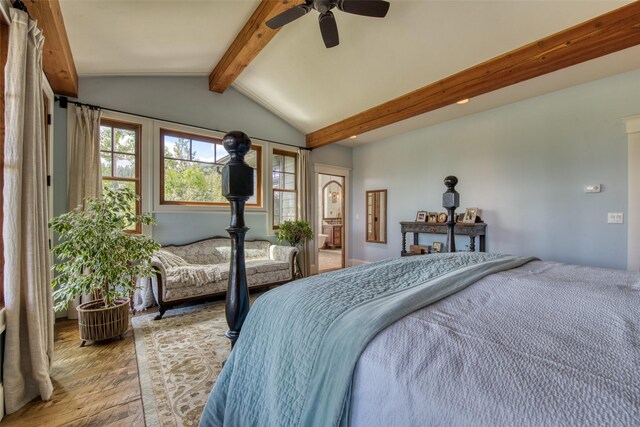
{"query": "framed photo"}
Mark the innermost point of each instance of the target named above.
(436, 247)
(442, 217)
(470, 215)
(421, 216)
(459, 217)
(433, 217)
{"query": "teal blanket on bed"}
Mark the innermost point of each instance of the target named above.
(294, 360)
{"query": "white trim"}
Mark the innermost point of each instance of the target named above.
(158, 208)
(319, 168)
(633, 196)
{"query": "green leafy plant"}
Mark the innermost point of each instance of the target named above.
(294, 232)
(96, 255)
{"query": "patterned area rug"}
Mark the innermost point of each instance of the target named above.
(179, 359)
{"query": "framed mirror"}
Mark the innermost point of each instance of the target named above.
(332, 200)
(376, 216)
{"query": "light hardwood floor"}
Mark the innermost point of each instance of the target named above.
(96, 385)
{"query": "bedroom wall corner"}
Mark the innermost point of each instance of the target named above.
(633, 211)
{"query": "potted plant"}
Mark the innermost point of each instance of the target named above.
(97, 256)
(296, 233)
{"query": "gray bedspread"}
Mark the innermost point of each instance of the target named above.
(543, 344)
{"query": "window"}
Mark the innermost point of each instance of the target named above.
(190, 169)
(120, 158)
(285, 194)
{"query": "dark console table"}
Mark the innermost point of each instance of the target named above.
(417, 228)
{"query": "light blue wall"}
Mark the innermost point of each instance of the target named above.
(185, 100)
(178, 99)
(525, 165)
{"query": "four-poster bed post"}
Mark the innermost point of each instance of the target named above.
(237, 187)
(450, 201)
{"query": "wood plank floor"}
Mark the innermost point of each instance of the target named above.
(95, 385)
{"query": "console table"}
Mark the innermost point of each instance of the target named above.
(417, 228)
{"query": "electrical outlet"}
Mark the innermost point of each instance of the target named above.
(615, 218)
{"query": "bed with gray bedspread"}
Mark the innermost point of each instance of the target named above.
(542, 344)
(452, 339)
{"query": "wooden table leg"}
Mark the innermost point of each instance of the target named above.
(472, 243)
(404, 244)
(482, 249)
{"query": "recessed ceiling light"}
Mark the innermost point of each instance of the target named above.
(353, 136)
(463, 101)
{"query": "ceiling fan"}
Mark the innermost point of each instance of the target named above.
(328, 27)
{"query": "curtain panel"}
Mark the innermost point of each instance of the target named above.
(304, 207)
(27, 277)
(85, 176)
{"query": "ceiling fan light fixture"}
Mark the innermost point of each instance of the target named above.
(463, 101)
(353, 136)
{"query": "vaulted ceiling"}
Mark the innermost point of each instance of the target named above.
(297, 78)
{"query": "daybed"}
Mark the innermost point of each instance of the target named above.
(267, 265)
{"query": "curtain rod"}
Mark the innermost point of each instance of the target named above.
(63, 100)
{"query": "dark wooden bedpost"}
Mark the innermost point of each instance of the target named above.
(237, 187)
(450, 201)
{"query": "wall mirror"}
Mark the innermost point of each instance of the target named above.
(377, 216)
(332, 200)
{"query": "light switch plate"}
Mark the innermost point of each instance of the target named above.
(615, 218)
(592, 188)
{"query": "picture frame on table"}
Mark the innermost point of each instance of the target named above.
(421, 216)
(436, 247)
(432, 217)
(470, 215)
(442, 217)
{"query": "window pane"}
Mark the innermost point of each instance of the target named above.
(251, 158)
(203, 151)
(289, 181)
(125, 166)
(278, 162)
(284, 207)
(120, 184)
(105, 161)
(177, 148)
(221, 154)
(278, 180)
(191, 182)
(125, 140)
(105, 138)
(289, 164)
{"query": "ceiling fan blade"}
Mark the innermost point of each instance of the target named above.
(329, 29)
(288, 16)
(373, 8)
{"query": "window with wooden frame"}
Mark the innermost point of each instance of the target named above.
(120, 159)
(190, 170)
(285, 187)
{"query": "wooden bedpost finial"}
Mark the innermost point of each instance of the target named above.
(237, 187)
(450, 201)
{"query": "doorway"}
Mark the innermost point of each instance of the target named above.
(331, 222)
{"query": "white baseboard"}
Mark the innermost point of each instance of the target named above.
(354, 262)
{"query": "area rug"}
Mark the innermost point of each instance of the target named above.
(179, 359)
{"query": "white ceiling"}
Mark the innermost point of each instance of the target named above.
(309, 86)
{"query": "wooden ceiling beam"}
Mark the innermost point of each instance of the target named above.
(253, 37)
(57, 60)
(605, 34)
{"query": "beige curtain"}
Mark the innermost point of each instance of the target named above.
(29, 339)
(304, 207)
(85, 176)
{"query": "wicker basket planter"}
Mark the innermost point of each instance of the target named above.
(99, 323)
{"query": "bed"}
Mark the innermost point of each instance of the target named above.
(446, 339)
